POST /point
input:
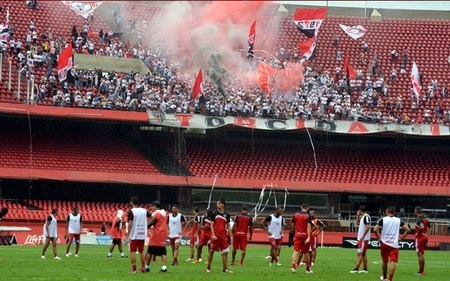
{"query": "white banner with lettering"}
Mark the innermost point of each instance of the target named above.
(196, 121)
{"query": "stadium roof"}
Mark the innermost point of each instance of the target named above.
(400, 5)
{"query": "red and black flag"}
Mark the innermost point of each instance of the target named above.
(309, 21)
(251, 40)
(307, 48)
(349, 70)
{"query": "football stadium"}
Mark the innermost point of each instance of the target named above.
(315, 131)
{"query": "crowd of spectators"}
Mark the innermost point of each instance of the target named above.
(322, 94)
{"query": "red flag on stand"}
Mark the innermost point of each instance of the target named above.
(198, 85)
(348, 69)
(65, 63)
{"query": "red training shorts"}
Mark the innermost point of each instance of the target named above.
(388, 253)
(299, 243)
(137, 245)
(421, 243)
(362, 247)
(240, 242)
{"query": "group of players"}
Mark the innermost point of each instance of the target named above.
(389, 240)
(215, 230)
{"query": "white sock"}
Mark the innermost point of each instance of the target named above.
(163, 267)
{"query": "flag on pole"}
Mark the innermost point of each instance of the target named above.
(307, 48)
(7, 16)
(355, 32)
(348, 69)
(65, 63)
(251, 39)
(415, 80)
(4, 29)
(309, 21)
(198, 85)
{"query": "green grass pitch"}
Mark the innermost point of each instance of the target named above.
(24, 263)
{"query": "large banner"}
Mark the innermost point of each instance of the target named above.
(309, 21)
(196, 121)
(83, 9)
(351, 242)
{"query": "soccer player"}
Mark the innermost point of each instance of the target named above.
(274, 226)
(51, 234)
(157, 242)
(389, 240)
(137, 232)
(421, 229)
(177, 223)
(204, 232)
(116, 234)
(73, 230)
(302, 225)
(220, 228)
(241, 227)
(363, 221)
(3, 212)
(194, 241)
(317, 227)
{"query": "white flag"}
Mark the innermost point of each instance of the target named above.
(415, 79)
(355, 32)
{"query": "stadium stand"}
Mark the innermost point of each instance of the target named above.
(36, 210)
(232, 159)
(431, 58)
(75, 152)
(296, 163)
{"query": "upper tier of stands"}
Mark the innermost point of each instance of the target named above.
(427, 40)
(52, 15)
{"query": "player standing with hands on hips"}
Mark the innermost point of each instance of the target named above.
(389, 241)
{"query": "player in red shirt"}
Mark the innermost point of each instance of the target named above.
(422, 228)
(302, 225)
(195, 239)
(157, 242)
(316, 228)
(220, 230)
(241, 227)
(204, 232)
(116, 235)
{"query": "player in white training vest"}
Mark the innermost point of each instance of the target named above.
(274, 226)
(51, 234)
(177, 224)
(137, 232)
(73, 231)
(363, 221)
(389, 240)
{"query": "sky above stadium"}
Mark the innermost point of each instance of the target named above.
(404, 5)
